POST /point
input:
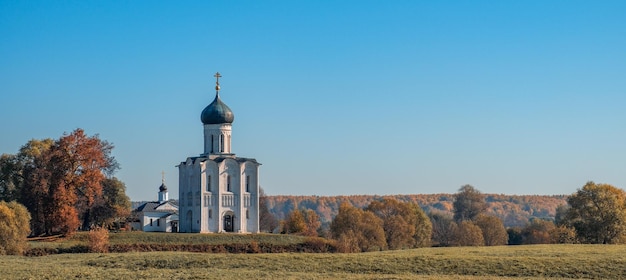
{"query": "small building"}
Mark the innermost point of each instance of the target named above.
(156, 216)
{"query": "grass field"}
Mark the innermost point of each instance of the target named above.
(505, 262)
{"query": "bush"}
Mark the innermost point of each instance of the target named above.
(14, 228)
(99, 240)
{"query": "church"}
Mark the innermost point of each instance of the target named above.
(218, 191)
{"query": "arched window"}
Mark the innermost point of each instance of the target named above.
(150, 222)
(228, 183)
(248, 183)
(210, 213)
(208, 184)
(212, 144)
(247, 214)
(221, 143)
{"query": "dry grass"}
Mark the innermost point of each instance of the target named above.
(504, 262)
(99, 240)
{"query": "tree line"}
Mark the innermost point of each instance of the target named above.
(595, 213)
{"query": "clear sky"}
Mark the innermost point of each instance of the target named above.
(333, 97)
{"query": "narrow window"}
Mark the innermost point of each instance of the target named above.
(210, 213)
(248, 183)
(221, 143)
(247, 214)
(158, 222)
(208, 185)
(228, 183)
(150, 222)
(212, 144)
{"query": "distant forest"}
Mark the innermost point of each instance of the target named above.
(513, 210)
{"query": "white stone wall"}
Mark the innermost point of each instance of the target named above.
(217, 139)
(201, 202)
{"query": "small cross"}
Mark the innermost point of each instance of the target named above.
(163, 177)
(217, 78)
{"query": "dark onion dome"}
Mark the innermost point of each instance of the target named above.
(217, 112)
(163, 187)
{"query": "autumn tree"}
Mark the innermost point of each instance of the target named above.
(492, 229)
(312, 221)
(598, 214)
(267, 220)
(469, 234)
(61, 180)
(356, 229)
(537, 232)
(405, 224)
(14, 228)
(294, 223)
(443, 229)
(468, 204)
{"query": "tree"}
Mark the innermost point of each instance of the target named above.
(404, 223)
(312, 221)
(598, 214)
(537, 232)
(14, 228)
(111, 208)
(294, 223)
(443, 229)
(562, 235)
(468, 204)
(469, 234)
(493, 230)
(267, 220)
(361, 228)
(63, 180)
(423, 227)
(399, 222)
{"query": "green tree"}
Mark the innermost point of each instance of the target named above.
(493, 230)
(362, 229)
(468, 204)
(111, 208)
(14, 228)
(598, 214)
(423, 227)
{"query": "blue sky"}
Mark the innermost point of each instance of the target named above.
(333, 97)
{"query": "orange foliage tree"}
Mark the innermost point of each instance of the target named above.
(63, 182)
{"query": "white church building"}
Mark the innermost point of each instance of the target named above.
(156, 216)
(218, 191)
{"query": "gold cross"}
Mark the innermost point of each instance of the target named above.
(217, 81)
(217, 78)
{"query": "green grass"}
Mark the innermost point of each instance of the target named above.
(505, 262)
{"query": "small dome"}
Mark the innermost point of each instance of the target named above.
(163, 188)
(217, 112)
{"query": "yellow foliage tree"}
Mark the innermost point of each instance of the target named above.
(14, 228)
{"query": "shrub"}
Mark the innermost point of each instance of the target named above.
(99, 240)
(14, 228)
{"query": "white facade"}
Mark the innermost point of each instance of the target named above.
(218, 192)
